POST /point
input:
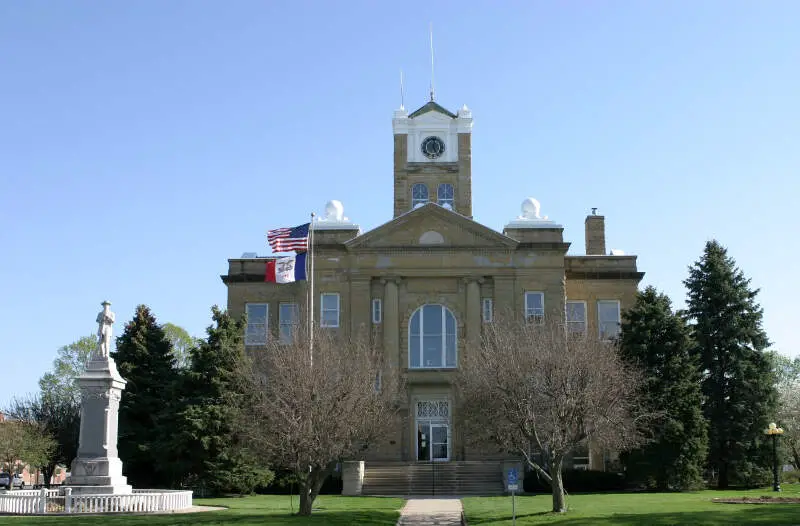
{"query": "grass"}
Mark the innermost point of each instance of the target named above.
(261, 510)
(652, 509)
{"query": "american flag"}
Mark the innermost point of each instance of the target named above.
(286, 239)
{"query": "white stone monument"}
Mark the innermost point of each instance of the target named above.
(97, 468)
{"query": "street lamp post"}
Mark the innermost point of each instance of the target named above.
(773, 431)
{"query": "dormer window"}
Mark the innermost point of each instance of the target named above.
(445, 195)
(419, 195)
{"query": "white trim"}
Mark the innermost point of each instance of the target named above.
(585, 316)
(377, 311)
(487, 302)
(322, 309)
(601, 322)
(445, 311)
(248, 338)
(537, 316)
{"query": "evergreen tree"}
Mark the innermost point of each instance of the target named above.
(657, 341)
(212, 459)
(737, 378)
(147, 410)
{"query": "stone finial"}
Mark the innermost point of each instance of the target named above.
(334, 211)
(530, 209)
(531, 217)
(334, 218)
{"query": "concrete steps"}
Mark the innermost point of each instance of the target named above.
(437, 478)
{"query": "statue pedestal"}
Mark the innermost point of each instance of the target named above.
(97, 468)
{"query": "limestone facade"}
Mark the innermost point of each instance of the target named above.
(437, 255)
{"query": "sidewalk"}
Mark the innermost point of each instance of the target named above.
(429, 512)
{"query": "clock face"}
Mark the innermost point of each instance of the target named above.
(432, 147)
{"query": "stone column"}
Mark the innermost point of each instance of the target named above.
(473, 319)
(391, 322)
(97, 469)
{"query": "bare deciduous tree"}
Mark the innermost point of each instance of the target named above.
(306, 415)
(534, 391)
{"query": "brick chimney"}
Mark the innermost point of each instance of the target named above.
(595, 234)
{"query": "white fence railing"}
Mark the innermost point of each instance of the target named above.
(27, 502)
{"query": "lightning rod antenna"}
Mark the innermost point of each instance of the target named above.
(433, 83)
(402, 92)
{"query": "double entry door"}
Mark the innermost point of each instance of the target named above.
(433, 441)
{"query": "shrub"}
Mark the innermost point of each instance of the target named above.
(576, 481)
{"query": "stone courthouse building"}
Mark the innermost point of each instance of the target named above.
(426, 281)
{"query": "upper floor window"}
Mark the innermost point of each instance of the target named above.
(432, 338)
(446, 195)
(257, 326)
(288, 318)
(419, 195)
(487, 310)
(608, 319)
(576, 317)
(534, 306)
(376, 311)
(329, 310)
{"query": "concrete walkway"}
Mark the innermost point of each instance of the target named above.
(429, 512)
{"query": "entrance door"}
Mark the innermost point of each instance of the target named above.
(440, 447)
(433, 443)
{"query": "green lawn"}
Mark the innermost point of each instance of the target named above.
(656, 509)
(261, 510)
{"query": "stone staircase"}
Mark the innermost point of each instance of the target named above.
(437, 478)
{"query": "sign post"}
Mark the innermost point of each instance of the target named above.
(513, 486)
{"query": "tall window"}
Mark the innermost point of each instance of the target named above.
(534, 306)
(419, 195)
(608, 318)
(432, 338)
(377, 311)
(257, 327)
(288, 318)
(445, 195)
(576, 317)
(329, 310)
(487, 310)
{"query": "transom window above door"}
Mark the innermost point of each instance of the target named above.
(432, 338)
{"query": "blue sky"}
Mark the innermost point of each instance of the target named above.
(144, 143)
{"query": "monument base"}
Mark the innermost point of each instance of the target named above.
(115, 489)
(95, 476)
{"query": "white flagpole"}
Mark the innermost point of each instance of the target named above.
(311, 289)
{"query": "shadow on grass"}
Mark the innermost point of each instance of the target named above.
(772, 514)
(253, 517)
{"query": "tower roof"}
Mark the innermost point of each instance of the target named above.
(432, 106)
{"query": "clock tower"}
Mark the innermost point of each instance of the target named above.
(433, 158)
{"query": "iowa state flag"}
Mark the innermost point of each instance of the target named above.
(286, 270)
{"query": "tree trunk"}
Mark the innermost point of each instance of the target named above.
(47, 474)
(310, 487)
(723, 481)
(557, 484)
(306, 501)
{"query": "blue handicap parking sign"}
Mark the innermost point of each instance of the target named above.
(512, 476)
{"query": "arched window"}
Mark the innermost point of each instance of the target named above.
(446, 195)
(419, 195)
(432, 338)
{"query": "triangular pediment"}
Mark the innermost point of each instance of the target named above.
(434, 109)
(432, 226)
